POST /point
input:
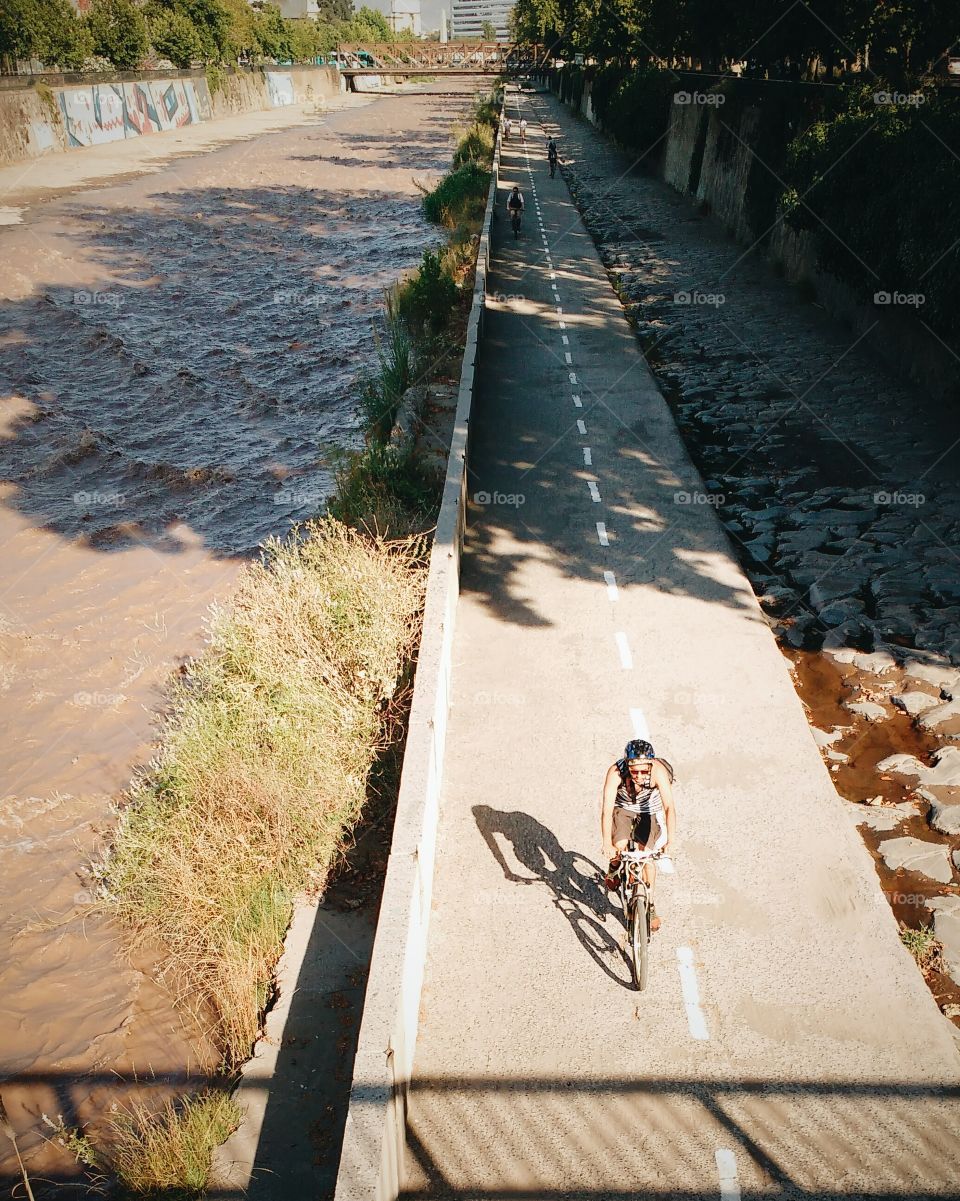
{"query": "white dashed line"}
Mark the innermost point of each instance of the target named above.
(564, 339)
(602, 534)
(611, 582)
(553, 275)
(573, 377)
(568, 356)
(578, 402)
(638, 724)
(691, 994)
(559, 310)
(580, 426)
(563, 325)
(587, 457)
(594, 492)
(727, 1171)
(623, 648)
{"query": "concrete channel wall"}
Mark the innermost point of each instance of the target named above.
(371, 1162)
(697, 160)
(44, 114)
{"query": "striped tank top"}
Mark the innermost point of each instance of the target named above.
(646, 800)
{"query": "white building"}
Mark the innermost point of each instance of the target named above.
(405, 16)
(469, 16)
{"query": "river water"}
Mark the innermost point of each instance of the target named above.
(179, 357)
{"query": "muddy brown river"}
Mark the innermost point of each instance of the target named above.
(180, 356)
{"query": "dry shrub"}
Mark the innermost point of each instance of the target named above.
(264, 763)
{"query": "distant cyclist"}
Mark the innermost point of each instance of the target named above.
(553, 156)
(637, 805)
(523, 129)
(515, 208)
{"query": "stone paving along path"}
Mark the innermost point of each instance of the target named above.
(786, 1042)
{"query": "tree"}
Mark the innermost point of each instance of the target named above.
(488, 31)
(48, 30)
(304, 40)
(272, 34)
(174, 36)
(119, 32)
(329, 11)
(371, 26)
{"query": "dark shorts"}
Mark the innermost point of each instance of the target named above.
(631, 825)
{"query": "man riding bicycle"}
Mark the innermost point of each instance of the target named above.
(515, 208)
(553, 156)
(637, 804)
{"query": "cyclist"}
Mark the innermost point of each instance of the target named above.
(523, 129)
(552, 156)
(637, 795)
(515, 208)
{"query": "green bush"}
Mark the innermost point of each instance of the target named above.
(119, 33)
(458, 197)
(380, 398)
(426, 300)
(881, 195)
(476, 146)
(385, 491)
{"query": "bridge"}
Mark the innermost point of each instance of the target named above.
(468, 57)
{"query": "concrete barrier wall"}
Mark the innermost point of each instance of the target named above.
(371, 1162)
(45, 114)
(702, 158)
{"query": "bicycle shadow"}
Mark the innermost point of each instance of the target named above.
(571, 876)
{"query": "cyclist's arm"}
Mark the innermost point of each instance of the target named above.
(661, 777)
(610, 786)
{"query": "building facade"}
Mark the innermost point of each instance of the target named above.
(470, 15)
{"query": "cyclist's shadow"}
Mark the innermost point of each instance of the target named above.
(572, 877)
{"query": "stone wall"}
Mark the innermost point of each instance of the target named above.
(710, 154)
(42, 115)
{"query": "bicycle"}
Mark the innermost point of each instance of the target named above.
(515, 219)
(553, 166)
(636, 897)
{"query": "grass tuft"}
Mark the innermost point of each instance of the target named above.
(923, 946)
(264, 763)
(168, 1153)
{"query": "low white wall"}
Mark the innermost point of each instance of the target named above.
(371, 1162)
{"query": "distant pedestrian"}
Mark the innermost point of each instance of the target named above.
(523, 129)
(507, 126)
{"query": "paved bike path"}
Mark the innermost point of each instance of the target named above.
(786, 1043)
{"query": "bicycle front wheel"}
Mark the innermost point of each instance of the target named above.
(640, 941)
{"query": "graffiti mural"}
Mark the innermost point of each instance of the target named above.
(106, 112)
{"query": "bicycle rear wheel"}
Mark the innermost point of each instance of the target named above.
(640, 941)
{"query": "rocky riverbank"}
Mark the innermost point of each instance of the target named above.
(838, 487)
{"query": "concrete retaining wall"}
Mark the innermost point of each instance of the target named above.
(701, 157)
(44, 114)
(371, 1162)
